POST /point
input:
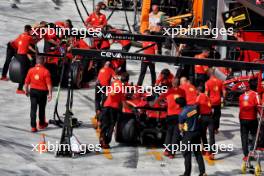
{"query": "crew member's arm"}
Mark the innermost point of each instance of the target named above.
(156, 49)
(258, 103)
(50, 93)
(206, 89)
(49, 85)
(29, 57)
(27, 83)
(223, 90)
(31, 49)
(258, 99)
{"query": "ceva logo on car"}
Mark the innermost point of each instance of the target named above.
(111, 55)
(102, 35)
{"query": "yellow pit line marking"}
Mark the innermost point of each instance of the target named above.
(212, 162)
(156, 154)
(106, 152)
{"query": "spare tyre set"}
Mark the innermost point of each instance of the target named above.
(18, 71)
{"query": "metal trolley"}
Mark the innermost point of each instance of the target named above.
(256, 154)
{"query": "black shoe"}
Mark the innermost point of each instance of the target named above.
(14, 6)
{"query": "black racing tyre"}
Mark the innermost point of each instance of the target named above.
(125, 130)
(65, 76)
(53, 69)
(118, 129)
(129, 131)
(77, 72)
(17, 71)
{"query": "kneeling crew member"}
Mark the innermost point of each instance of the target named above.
(248, 103)
(39, 81)
(189, 125)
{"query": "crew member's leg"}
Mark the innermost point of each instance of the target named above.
(42, 107)
(168, 137)
(33, 108)
(253, 127)
(114, 116)
(10, 53)
(105, 120)
(109, 117)
(153, 73)
(216, 116)
(98, 97)
(244, 131)
(143, 69)
(204, 125)
(197, 152)
(187, 154)
(211, 133)
(175, 134)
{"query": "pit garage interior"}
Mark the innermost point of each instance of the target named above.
(16, 139)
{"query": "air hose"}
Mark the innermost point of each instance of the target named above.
(87, 13)
(79, 12)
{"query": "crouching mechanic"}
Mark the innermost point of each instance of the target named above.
(189, 125)
(111, 110)
(39, 81)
